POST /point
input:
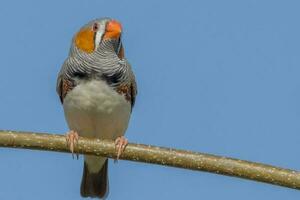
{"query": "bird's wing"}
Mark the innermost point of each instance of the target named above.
(63, 86)
(133, 91)
(65, 82)
(127, 86)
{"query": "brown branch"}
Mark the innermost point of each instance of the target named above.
(157, 155)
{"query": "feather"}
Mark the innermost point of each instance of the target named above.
(64, 86)
(94, 184)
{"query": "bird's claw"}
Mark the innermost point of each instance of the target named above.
(120, 145)
(72, 140)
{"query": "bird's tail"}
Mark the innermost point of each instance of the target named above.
(94, 184)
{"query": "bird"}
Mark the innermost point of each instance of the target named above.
(97, 88)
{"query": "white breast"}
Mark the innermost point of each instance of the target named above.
(94, 109)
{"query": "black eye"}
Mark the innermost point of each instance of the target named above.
(95, 27)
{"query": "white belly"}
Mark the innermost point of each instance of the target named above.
(95, 110)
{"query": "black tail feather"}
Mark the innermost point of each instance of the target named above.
(94, 184)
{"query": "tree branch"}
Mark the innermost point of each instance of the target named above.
(156, 155)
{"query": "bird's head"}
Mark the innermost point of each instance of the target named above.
(99, 34)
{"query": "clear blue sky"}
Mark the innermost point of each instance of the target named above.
(219, 77)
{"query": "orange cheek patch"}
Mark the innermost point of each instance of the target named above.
(85, 40)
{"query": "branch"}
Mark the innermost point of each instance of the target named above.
(156, 155)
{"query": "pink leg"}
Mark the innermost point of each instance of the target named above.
(120, 143)
(72, 139)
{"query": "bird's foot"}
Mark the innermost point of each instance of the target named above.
(120, 144)
(72, 140)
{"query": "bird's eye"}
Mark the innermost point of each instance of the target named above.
(95, 27)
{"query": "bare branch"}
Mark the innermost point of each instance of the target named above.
(157, 155)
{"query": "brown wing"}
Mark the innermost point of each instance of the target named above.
(133, 90)
(129, 91)
(63, 87)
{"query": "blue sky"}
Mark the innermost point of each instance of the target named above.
(219, 77)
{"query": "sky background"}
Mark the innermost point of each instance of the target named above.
(219, 77)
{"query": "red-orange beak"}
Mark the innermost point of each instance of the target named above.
(113, 30)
